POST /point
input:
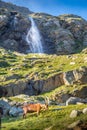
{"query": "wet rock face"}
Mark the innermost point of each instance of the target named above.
(62, 35)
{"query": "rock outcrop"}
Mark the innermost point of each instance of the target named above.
(35, 87)
(75, 100)
(79, 76)
(11, 7)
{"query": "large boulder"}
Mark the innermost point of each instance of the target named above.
(68, 78)
(75, 100)
(75, 76)
(15, 111)
(84, 111)
(5, 105)
(81, 74)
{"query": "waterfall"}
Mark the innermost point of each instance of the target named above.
(15, 21)
(34, 39)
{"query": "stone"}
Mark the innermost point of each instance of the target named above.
(6, 106)
(80, 75)
(72, 63)
(84, 51)
(84, 111)
(80, 103)
(15, 111)
(68, 77)
(75, 76)
(74, 100)
(74, 113)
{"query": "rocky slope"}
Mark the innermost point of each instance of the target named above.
(10, 7)
(35, 74)
(64, 34)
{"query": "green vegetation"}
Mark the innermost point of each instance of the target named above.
(56, 118)
(15, 66)
(70, 19)
(65, 89)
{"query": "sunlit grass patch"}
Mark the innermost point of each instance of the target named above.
(56, 118)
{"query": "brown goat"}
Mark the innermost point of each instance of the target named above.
(34, 108)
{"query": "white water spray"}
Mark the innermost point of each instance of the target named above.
(15, 21)
(34, 39)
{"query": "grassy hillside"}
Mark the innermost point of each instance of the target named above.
(15, 66)
(56, 118)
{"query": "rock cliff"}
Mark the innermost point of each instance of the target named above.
(64, 34)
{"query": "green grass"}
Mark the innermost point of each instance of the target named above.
(16, 67)
(45, 66)
(56, 119)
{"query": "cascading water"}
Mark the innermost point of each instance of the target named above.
(15, 21)
(34, 39)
